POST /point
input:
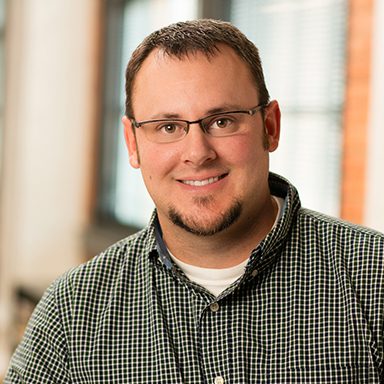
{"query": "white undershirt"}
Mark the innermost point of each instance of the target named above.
(217, 280)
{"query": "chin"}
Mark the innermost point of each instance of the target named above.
(198, 226)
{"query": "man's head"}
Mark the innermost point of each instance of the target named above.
(202, 130)
(187, 38)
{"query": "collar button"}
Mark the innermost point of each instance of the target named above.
(254, 273)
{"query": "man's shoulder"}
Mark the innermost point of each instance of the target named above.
(338, 232)
(321, 220)
(332, 247)
(85, 291)
(118, 262)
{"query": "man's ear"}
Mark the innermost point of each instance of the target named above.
(130, 140)
(272, 125)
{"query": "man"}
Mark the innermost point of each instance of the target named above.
(232, 281)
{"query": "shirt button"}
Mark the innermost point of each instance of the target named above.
(254, 272)
(214, 308)
(219, 380)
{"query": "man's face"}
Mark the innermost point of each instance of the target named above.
(203, 184)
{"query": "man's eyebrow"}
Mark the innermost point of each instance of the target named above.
(161, 116)
(211, 111)
(224, 108)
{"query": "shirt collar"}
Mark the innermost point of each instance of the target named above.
(265, 254)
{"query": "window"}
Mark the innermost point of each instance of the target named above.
(140, 19)
(301, 44)
(124, 196)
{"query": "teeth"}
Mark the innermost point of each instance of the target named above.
(200, 183)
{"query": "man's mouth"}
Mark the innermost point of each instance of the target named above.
(201, 183)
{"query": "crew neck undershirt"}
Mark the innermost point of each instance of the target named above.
(216, 280)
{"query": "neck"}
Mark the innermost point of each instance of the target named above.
(226, 248)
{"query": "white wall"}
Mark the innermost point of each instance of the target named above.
(49, 138)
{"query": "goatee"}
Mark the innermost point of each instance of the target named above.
(197, 227)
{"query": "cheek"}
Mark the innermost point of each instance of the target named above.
(247, 150)
(156, 161)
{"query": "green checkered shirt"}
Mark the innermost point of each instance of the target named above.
(308, 309)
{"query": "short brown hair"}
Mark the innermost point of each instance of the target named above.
(203, 35)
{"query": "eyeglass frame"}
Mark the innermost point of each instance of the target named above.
(250, 112)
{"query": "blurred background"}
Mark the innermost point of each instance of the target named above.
(66, 188)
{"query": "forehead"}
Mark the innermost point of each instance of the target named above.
(222, 56)
(196, 78)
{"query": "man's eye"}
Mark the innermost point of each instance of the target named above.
(168, 128)
(221, 122)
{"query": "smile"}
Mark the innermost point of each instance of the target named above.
(201, 183)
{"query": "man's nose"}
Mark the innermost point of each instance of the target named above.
(198, 146)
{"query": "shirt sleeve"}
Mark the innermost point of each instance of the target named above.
(41, 357)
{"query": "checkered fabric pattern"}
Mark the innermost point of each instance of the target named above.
(309, 309)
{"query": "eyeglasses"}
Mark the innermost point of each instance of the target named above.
(217, 125)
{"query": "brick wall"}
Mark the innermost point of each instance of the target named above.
(359, 39)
